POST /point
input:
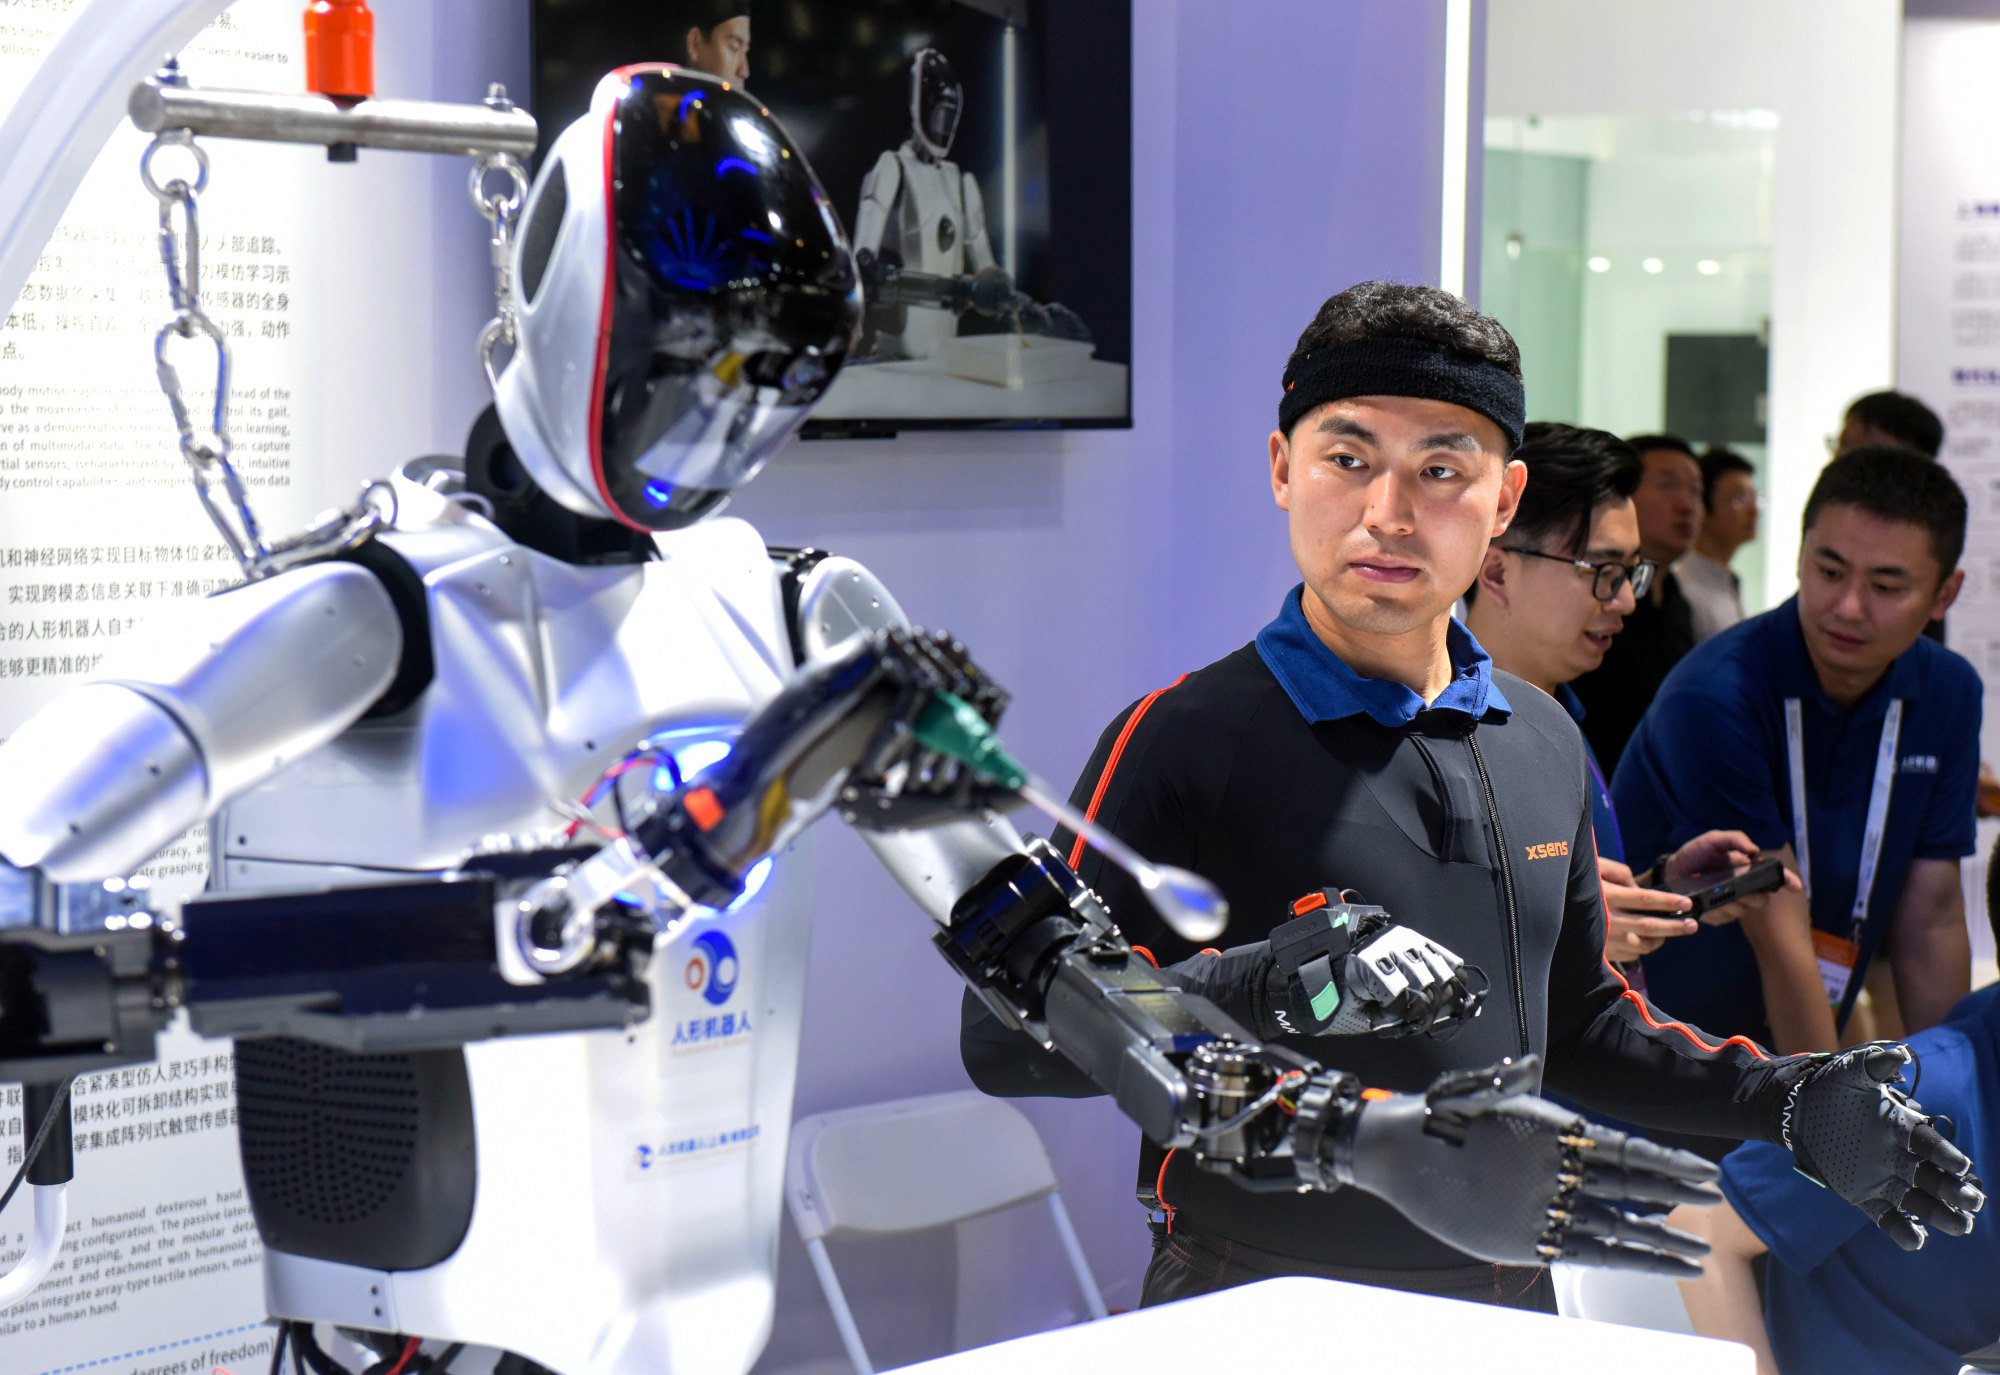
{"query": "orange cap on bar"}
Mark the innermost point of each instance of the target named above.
(340, 49)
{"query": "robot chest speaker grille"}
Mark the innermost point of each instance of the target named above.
(341, 1152)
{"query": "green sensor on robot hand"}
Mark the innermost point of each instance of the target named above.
(951, 726)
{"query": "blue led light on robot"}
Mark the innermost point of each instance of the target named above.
(728, 165)
(753, 882)
(660, 492)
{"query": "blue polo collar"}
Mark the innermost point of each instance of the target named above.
(1324, 688)
(1793, 673)
(1571, 703)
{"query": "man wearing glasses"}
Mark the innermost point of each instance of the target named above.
(1660, 629)
(1552, 594)
(1364, 740)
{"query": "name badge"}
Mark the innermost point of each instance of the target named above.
(1837, 957)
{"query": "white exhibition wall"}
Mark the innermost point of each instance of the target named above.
(1829, 70)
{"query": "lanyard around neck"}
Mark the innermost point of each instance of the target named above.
(1878, 805)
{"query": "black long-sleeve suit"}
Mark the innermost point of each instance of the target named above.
(1475, 832)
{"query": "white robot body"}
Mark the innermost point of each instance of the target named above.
(545, 674)
(933, 214)
(629, 1183)
(629, 1223)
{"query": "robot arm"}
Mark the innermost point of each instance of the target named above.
(879, 190)
(207, 702)
(978, 245)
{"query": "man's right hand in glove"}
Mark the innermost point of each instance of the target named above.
(1338, 968)
(1483, 1164)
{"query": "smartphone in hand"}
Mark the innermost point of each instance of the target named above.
(1720, 887)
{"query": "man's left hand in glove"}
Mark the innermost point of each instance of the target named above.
(1850, 1125)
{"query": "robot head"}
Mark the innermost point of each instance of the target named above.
(686, 295)
(936, 99)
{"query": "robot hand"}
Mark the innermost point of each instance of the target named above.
(1052, 320)
(990, 291)
(1852, 1129)
(879, 730)
(1482, 1163)
(1338, 969)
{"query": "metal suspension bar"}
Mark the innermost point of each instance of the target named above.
(415, 126)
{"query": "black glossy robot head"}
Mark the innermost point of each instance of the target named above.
(936, 101)
(687, 294)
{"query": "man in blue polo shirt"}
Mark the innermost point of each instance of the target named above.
(1831, 732)
(1838, 1295)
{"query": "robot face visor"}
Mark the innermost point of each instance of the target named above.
(733, 297)
(939, 101)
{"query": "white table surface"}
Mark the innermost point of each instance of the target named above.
(1296, 1326)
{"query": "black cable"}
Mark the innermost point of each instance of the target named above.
(278, 1352)
(441, 1362)
(59, 1106)
(298, 1355)
(316, 1357)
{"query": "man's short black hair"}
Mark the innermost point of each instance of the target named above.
(1896, 484)
(1571, 472)
(1645, 442)
(1906, 420)
(1391, 310)
(1717, 464)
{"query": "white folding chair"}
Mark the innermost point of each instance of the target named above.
(913, 1164)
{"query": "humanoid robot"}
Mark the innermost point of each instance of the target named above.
(920, 234)
(378, 737)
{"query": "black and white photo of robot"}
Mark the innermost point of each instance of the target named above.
(921, 239)
(977, 151)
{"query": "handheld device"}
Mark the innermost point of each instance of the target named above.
(1718, 888)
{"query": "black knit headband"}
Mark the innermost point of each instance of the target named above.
(1403, 367)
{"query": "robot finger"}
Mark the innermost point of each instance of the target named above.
(1612, 1148)
(1610, 1184)
(1613, 1256)
(1611, 1224)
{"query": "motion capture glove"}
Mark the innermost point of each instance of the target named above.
(1338, 968)
(1483, 1164)
(1850, 1127)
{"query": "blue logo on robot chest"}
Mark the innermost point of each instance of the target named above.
(713, 971)
(713, 968)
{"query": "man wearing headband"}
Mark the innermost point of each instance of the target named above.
(1364, 740)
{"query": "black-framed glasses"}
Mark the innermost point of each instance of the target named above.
(1606, 578)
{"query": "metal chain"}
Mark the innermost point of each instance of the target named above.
(218, 484)
(502, 208)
